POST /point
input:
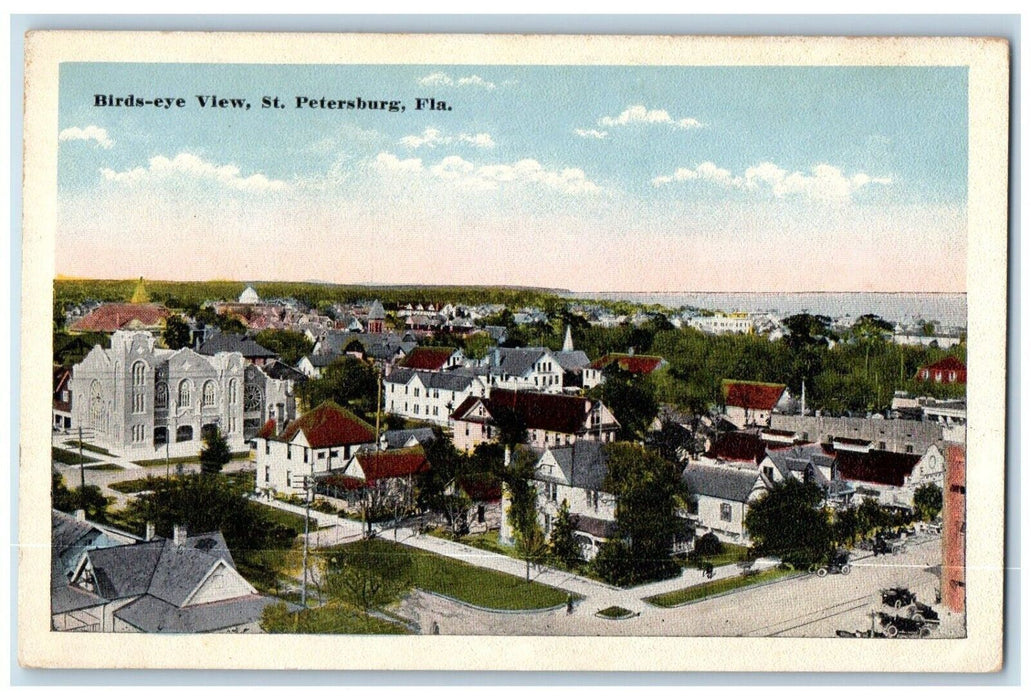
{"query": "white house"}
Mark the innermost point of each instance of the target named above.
(721, 497)
(534, 369)
(321, 440)
(721, 324)
(429, 396)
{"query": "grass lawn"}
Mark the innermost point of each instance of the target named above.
(732, 553)
(183, 460)
(69, 457)
(471, 584)
(329, 619)
(614, 612)
(290, 520)
(711, 588)
(489, 541)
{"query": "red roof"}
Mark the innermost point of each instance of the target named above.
(481, 487)
(112, 317)
(61, 377)
(636, 364)
(755, 396)
(330, 425)
(428, 358)
(738, 446)
(268, 430)
(552, 412)
(344, 483)
(392, 464)
(875, 466)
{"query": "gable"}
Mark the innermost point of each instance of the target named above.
(222, 582)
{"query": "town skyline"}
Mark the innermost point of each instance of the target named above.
(666, 180)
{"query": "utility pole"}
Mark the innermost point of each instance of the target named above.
(82, 464)
(304, 556)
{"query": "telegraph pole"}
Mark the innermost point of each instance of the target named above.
(82, 464)
(304, 556)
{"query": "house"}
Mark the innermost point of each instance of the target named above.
(948, 370)
(429, 396)
(321, 440)
(890, 477)
(71, 535)
(575, 475)
(721, 494)
(532, 369)
(381, 481)
(109, 318)
(145, 402)
(721, 324)
(549, 419)
(485, 511)
(433, 359)
(376, 317)
(627, 362)
(182, 585)
(243, 344)
(752, 403)
(312, 366)
(62, 403)
(407, 437)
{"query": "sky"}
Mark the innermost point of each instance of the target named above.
(586, 178)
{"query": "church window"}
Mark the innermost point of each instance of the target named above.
(208, 396)
(139, 373)
(161, 395)
(184, 393)
(232, 391)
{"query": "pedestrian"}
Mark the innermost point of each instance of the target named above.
(434, 628)
(708, 571)
(569, 604)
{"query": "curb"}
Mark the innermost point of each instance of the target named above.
(479, 608)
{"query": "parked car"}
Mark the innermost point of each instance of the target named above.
(897, 597)
(837, 563)
(897, 625)
(923, 613)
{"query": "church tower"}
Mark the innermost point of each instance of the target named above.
(567, 345)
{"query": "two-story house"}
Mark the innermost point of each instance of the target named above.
(429, 396)
(529, 369)
(721, 494)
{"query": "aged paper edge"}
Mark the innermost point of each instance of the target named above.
(988, 63)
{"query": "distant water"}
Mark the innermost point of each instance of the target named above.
(903, 307)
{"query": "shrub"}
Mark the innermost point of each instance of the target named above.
(708, 545)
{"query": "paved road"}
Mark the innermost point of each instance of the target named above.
(801, 607)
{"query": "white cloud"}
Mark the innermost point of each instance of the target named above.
(591, 133)
(443, 79)
(825, 182)
(190, 167)
(463, 173)
(431, 138)
(639, 114)
(89, 133)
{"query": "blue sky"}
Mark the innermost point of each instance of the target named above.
(590, 178)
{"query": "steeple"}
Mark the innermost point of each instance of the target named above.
(140, 296)
(567, 346)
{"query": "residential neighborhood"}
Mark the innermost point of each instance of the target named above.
(578, 466)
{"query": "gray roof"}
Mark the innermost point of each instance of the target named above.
(280, 370)
(322, 359)
(230, 342)
(334, 342)
(726, 483)
(397, 439)
(514, 361)
(798, 458)
(158, 567)
(594, 526)
(151, 614)
(572, 361)
(67, 531)
(448, 381)
(583, 463)
(376, 310)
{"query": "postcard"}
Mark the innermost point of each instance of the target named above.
(513, 352)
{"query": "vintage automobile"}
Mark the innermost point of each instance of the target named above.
(897, 625)
(923, 613)
(897, 597)
(837, 563)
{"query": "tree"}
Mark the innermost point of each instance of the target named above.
(368, 573)
(531, 545)
(347, 381)
(87, 498)
(215, 453)
(631, 399)
(846, 526)
(927, 501)
(648, 491)
(291, 346)
(790, 521)
(177, 333)
(870, 330)
(563, 544)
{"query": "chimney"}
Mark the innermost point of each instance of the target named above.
(508, 455)
(178, 535)
(80, 515)
(150, 532)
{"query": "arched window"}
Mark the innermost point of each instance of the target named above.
(139, 373)
(184, 433)
(208, 395)
(232, 392)
(161, 395)
(184, 393)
